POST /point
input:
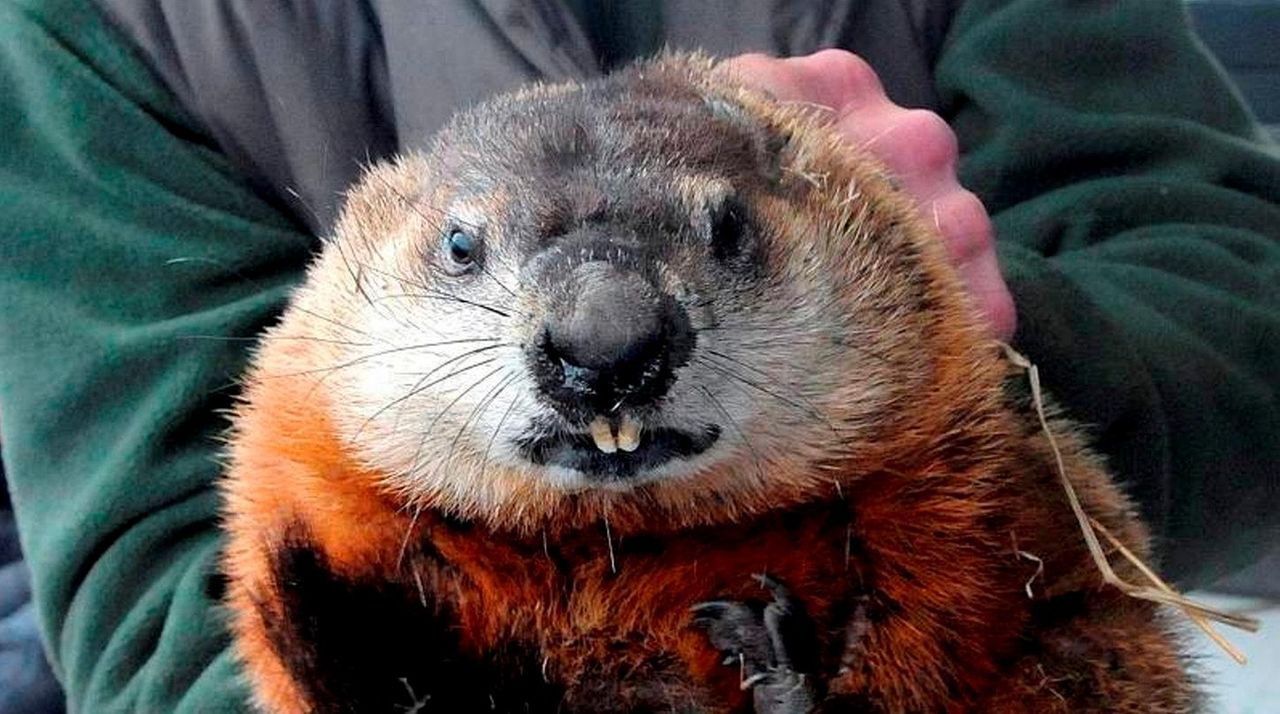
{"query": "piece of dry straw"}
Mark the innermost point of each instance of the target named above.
(1157, 590)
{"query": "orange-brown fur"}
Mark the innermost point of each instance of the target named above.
(933, 513)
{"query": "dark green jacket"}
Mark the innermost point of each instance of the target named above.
(145, 239)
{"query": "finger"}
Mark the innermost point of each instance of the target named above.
(838, 79)
(968, 235)
(991, 295)
(963, 224)
(915, 145)
(830, 78)
(767, 74)
(917, 148)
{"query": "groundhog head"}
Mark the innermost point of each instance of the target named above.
(655, 290)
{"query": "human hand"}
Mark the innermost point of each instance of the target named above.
(917, 147)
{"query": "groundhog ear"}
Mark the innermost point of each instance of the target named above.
(770, 144)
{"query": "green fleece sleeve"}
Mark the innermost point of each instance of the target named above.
(129, 249)
(1135, 202)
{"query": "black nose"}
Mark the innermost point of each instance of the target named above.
(613, 339)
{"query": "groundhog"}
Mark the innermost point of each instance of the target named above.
(648, 394)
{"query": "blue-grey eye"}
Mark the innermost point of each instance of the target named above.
(461, 246)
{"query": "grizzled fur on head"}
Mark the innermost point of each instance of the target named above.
(789, 308)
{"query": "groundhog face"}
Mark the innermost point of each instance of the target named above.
(618, 287)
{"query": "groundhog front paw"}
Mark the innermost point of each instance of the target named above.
(772, 643)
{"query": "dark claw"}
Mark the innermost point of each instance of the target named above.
(735, 629)
(780, 592)
(773, 643)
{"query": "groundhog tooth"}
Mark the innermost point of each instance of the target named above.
(628, 434)
(603, 435)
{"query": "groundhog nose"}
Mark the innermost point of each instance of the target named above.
(610, 340)
(613, 320)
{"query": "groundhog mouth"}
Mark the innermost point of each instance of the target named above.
(582, 451)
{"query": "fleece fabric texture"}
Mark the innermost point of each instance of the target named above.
(1137, 211)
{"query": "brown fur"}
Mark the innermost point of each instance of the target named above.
(925, 520)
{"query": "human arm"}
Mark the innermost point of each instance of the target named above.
(134, 264)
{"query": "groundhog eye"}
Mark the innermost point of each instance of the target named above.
(461, 247)
(728, 224)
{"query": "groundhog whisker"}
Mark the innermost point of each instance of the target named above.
(755, 455)
(315, 215)
(334, 322)
(422, 384)
(478, 411)
(419, 385)
(427, 290)
(727, 372)
(430, 428)
(738, 362)
(806, 409)
(381, 353)
(456, 358)
(262, 287)
(258, 338)
(777, 337)
(445, 296)
(458, 341)
(408, 532)
(484, 462)
(499, 283)
(357, 277)
(417, 389)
